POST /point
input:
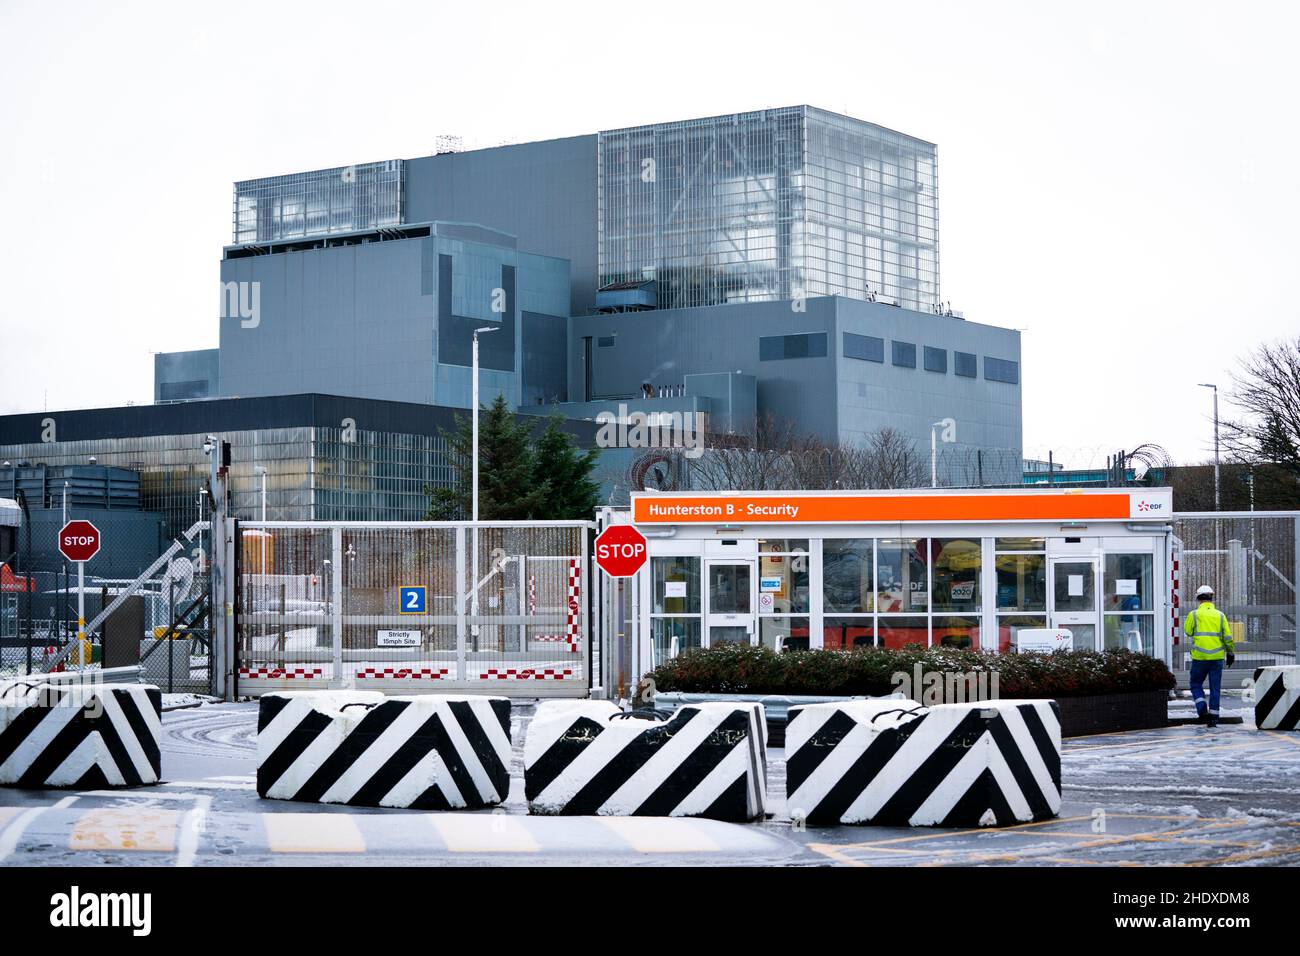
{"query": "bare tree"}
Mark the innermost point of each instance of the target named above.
(778, 456)
(1268, 395)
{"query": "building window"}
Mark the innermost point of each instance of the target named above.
(605, 342)
(904, 354)
(936, 360)
(805, 345)
(1001, 370)
(964, 364)
(868, 348)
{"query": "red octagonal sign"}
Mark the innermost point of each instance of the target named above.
(79, 541)
(620, 550)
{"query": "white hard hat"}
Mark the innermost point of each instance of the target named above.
(1205, 591)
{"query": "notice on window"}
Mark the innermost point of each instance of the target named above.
(1126, 586)
(766, 603)
(1075, 585)
(770, 584)
(963, 590)
(674, 589)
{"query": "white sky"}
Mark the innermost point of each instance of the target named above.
(1116, 179)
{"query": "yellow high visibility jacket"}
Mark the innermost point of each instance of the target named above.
(1210, 632)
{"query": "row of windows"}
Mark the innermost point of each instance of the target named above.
(871, 348)
(804, 345)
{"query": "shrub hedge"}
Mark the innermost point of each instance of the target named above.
(742, 669)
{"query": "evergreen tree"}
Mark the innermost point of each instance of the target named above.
(565, 473)
(507, 489)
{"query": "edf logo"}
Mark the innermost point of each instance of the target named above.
(1149, 506)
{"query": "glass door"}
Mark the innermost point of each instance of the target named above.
(1074, 599)
(729, 602)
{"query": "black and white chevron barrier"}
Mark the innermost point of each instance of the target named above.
(364, 749)
(1277, 697)
(590, 758)
(893, 763)
(88, 736)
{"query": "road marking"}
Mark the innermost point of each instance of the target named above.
(10, 836)
(661, 834)
(211, 784)
(192, 825)
(484, 833)
(312, 833)
(134, 828)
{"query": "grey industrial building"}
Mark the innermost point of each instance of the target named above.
(779, 263)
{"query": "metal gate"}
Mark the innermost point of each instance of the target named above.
(413, 606)
(1250, 559)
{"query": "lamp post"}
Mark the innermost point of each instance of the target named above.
(1216, 442)
(473, 584)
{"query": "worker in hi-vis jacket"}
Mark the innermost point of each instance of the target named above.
(1211, 636)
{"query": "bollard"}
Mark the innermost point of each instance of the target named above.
(88, 736)
(1277, 697)
(590, 757)
(361, 748)
(896, 763)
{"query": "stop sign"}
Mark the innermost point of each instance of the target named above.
(79, 541)
(620, 550)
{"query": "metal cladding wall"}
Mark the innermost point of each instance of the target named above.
(542, 193)
(840, 398)
(664, 346)
(388, 320)
(350, 320)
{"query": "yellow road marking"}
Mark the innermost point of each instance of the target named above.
(312, 833)
(483, 833)
(121, 829)
(661, 835)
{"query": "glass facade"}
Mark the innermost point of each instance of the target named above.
(312, 473)
(773, 204)
(319, 202)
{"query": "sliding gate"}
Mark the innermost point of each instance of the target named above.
(407, 607)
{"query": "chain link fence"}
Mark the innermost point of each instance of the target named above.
(144, 601)
(413, 606)
(1250, 560)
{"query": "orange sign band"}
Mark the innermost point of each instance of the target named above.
(831, 509)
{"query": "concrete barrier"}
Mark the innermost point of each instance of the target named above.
(364, 749)
(590, 758)
(1277, 697)
(991, 763)
(84, 735)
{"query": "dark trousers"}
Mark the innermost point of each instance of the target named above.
(1200, 671)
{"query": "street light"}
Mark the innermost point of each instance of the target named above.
(1216, 441)
(474, 507)
(474, 400)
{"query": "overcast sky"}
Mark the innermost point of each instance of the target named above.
(1117, 180)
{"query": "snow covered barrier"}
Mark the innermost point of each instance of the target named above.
(364, 749)
(705, 760)
(896, 763)
(1277, 698)
(87, 736)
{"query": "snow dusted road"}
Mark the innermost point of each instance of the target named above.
(1183, 795)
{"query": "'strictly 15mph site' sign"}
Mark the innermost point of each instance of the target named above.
(620, 550)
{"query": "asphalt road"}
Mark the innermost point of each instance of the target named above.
(1182, 795)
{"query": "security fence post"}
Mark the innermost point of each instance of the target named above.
(460, 602)
(336, 600)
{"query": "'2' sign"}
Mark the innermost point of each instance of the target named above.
(412, 600)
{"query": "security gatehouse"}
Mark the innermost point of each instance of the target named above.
(996, 570)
